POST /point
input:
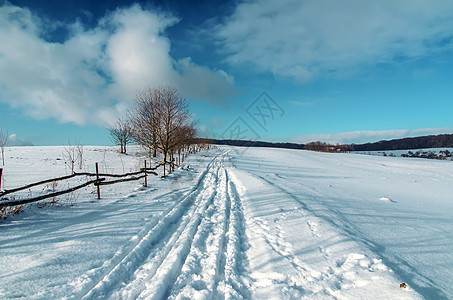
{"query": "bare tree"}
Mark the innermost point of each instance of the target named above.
(144, 119)
(161, 120)
(69, 155)
(121, 134)
(3, 142)
(174, 117)
(73, 154)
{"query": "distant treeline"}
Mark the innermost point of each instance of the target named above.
(422, 142)
(243, 143)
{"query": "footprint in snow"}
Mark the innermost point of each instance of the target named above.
(387, 199)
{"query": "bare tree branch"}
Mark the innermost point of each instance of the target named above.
(3, 142)
(121, 134)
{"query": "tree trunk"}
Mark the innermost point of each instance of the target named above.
(164, 155)
(154, 145)
(173, 160)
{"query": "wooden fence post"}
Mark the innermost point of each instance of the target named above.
(146, 176)
(97, 182)
(1, 173)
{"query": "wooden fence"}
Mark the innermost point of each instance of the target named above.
(99, 181)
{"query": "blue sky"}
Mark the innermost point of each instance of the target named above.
(337, 71)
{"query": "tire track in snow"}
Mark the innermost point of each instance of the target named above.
(98, 283)
(214, 263)
(158, 285)
(224, 239)
(236, 282)
(201, 267)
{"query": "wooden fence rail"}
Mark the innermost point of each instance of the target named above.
(99, 181)
(6, 192)
(6, 203)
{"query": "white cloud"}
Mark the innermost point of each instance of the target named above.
(13, 140)
(200, 81)
(360, 137)
(92, 75)
(304, 39)
(212, 128)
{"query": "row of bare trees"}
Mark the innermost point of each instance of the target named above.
(159, 120)
(324, 147)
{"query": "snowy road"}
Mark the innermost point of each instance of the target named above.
(240, 226)
(193, 249)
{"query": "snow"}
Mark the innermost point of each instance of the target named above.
(400, 152)
(387, 199)
(233, 223)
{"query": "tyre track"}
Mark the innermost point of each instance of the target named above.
(159, 285)
(236, 282)
(195, 249)
(224, 240)
(199, 272)
(98, 282)
(212, 266)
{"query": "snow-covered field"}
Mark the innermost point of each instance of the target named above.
(235, 223)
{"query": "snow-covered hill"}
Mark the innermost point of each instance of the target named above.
(235, 223)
